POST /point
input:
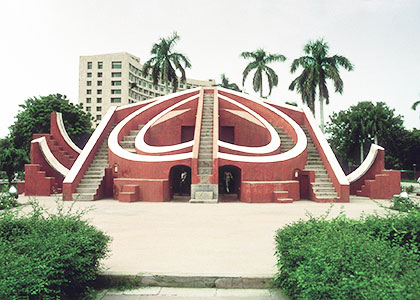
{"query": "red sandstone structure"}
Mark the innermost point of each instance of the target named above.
(202, 145)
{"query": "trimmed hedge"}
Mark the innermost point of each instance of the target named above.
(374, 258)
(47, 256)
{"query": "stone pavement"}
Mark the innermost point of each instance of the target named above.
(158, 293)
(218, 247)
(184, 239)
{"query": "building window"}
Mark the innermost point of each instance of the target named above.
(150, 86)
(88, 92)
(116, 92)
(116, 65)
(156, 87)
(115, 100)
(99, 83)
(89, 74)
(181, 86)
(116, 74)
(87, 108)
(89, 83)
(99, 74)
(98, 100)
(89, 65)
(88, 100)
(100, 65)
(99, 108)
(114, 83)
(99, 92)
(161, 89)
(188, 86)
(144, 83)
(98, 117)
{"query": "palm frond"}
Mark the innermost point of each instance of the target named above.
(249, 67)
(271, 74)
(247, 55)
(274, 58)
(332, 73)
(303, 62)
(415, 104)
(256, 82)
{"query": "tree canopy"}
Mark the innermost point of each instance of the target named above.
(165, 62)
(229, 85)
(317, 68)
(260, 61)
(362, 124)
(35, 116)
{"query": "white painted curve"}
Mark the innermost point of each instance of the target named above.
(115, 147)
(49, 157)
(298, 149)
(63, 131)
(274, 137)
(366, 164)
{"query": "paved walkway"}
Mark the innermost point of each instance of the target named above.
(157, 293)
(183, 239)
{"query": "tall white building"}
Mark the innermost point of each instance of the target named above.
(116, 79)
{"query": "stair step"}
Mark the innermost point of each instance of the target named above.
(284, 200)
(129, 138)
(84, 197)
(83, 190)
(204, 170)
(205, 163)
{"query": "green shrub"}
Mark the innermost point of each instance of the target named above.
(402, 229)
(348, 259)
(46, 256)
(7, 201)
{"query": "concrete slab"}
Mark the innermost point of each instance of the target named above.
(182, 239)
(188, 293)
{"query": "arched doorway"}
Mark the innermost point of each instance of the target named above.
(180, 183)
(229, 183)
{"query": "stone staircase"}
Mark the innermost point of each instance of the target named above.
(88, 186)
(63, 156)
(204, 191)
(322, 188)
(128, 142)
(286, 142)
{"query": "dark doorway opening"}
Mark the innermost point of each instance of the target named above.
(229, 183)
(187, 133)
(304, 186)
(227, 134)
(180, 183)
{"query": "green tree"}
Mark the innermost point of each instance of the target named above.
(226, 84)
(351, 131)
(35, 117)
(165, 62)
(10, 158)
(260, 61)
(317, 68)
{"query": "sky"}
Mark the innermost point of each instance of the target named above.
(41, 42)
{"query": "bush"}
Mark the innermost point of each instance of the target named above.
(404, 204)
(7, 200)
(374, 258)
(46, 256)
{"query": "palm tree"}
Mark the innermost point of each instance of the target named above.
(260, 60)
(317, 68)
(165, 62)
(226, 84)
